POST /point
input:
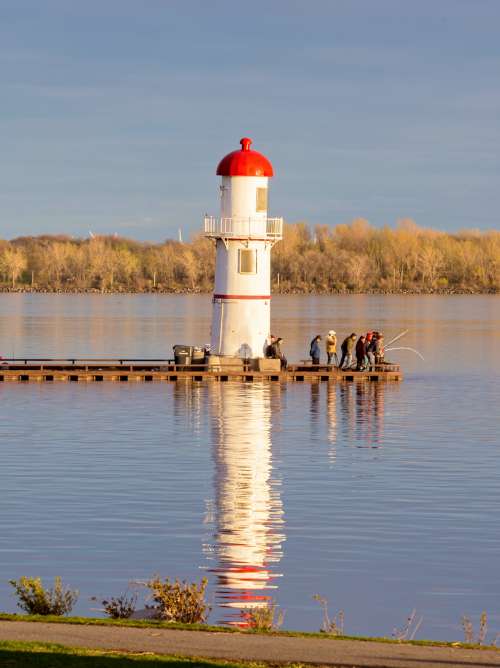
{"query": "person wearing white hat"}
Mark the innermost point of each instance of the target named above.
(331, 347)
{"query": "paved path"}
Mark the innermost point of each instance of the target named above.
(320, 651)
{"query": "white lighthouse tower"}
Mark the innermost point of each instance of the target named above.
(241, 316)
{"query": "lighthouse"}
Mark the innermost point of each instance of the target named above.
(244, 237)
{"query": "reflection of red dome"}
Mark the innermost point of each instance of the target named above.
(245, 162)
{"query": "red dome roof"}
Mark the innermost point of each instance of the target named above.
(245, 162)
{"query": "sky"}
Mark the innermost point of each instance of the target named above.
(115, 113)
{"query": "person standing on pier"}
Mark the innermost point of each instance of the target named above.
(280, 354)
(369, 350)
(315, 351)
(379, 349)
(360, 353)
(372, 348)
(347, 348)
(331, 347)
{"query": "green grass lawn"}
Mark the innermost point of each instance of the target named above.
(106, 621)
(139, 623)
(49, 655)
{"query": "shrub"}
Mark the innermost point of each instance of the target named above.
(264, 618)
(121, 607)
(178, 601)
(36, 600)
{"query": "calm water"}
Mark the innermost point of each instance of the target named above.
(382, 498)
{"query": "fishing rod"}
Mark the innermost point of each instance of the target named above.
(406, 348)
(398, 337)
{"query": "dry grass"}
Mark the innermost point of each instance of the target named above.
(409, 630)
(331, 625)
(470, 636)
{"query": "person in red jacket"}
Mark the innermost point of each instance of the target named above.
(360, 353)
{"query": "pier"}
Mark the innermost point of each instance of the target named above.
(151, 370)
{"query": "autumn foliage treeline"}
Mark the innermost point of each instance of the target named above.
(343, 258)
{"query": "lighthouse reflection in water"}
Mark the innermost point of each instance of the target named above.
(244, 520)
(247, 511)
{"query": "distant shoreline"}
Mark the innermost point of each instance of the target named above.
(339, 260)
(173, 291)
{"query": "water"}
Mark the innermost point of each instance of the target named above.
(380, 497)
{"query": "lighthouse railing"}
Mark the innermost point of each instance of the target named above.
(237, 227)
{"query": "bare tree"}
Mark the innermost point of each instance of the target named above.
(344, 257)
(13, 263)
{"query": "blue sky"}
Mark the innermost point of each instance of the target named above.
(114, 114)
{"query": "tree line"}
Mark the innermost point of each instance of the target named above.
(353, 257)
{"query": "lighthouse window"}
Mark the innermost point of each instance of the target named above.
(247, 260)
(261, 199)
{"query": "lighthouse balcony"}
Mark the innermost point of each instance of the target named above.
(270, 229)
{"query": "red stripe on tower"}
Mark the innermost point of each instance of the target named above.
(242, 296)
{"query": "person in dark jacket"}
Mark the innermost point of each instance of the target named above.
(279, 353)
(347, 348)
(315, 351)
(270, 347)
(360, 353)
(372, 346)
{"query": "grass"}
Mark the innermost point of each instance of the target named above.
(146, 623)
(50, 655)
(104, 621)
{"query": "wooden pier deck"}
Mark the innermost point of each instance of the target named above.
(151, 370)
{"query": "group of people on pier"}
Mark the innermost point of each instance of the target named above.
(367, 348)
